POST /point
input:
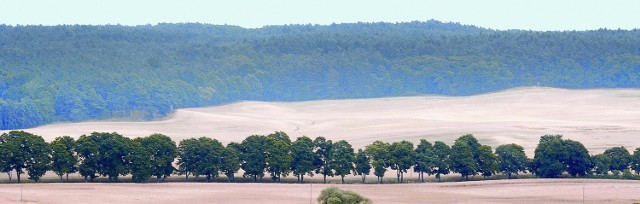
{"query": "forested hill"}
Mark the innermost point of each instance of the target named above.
(77, 72)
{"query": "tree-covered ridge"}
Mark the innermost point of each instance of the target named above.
(76, 72)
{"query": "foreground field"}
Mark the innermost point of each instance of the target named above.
(600, 119)
(503, 191)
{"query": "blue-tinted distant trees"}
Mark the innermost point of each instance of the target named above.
(186, 65)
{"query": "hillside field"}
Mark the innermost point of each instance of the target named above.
(599, 118)
(500, 191)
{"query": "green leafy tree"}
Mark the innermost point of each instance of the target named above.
(279, 156)
(441, 163)
(26, 152)
(511, 159)
(549, 157)
(64, 160)
(553, 156)
(378, 151)
(5, 156)
(635, 161)
(342, 159)
(471, 140)
(253, 156)
(462, 160)
(487, 161)
(362, 165)
(578, 161)
(187, 157)
(140, 160)
(601, 164)
(401, 158)
(113, 151)
(200, 157)
(163, 153)
(620, 159)
(303, 157)
(208, 158)
(87, 150)
(230, 160)
(323, 152)
(424, 159)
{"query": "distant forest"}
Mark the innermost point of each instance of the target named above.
(78, 72)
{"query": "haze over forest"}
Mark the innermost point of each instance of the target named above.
(77, 72)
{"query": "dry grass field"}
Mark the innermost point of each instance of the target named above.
(600, 119)
(501, 191)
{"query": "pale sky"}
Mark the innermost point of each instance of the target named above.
(495, 14)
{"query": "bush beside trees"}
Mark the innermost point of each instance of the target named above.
(334, 195)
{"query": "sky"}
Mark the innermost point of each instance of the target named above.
(542, 15)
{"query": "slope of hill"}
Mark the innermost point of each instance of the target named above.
(600, 118)
(78, 73)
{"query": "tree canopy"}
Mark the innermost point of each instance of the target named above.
(554, 156)
(511, 159)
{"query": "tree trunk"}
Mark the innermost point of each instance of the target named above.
(18, 176)
(302, 178)
(67, 177)
(401, 177)
(9, 174)
(60, 177)
(342, 177)
(364, 176)
(255, 178)
(325, 178)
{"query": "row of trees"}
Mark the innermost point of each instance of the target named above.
(112, 155)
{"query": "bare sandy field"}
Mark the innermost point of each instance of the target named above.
(502, 191)
(600, 118)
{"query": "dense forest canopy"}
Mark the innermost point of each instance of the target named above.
(79, 72)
